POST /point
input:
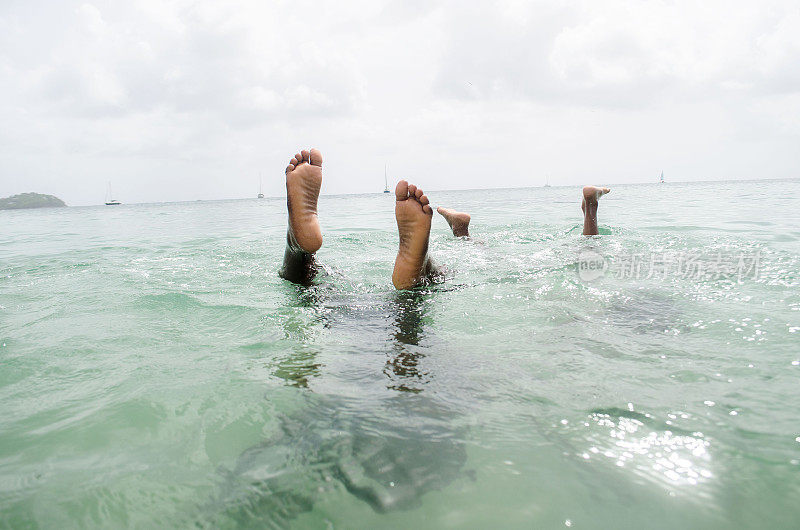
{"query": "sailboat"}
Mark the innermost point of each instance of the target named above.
(110, 200)
(385, 179)
(662, 178)
(260, 191)
(547, 181)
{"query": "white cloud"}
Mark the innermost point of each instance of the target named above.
(150, 93)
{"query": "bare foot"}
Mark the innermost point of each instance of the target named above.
(303, 182)
(414, 215)
(458, 221)
(589, 203)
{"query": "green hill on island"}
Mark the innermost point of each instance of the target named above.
(30, 200)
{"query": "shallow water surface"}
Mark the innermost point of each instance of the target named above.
(156, 371)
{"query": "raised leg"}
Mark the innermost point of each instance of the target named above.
(458, 221)
(304, 236)
(412, 266)
(589, 203)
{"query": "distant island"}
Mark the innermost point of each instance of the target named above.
(30, 200)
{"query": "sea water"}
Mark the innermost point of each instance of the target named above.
(156, 372)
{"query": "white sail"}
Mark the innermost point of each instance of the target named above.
(110, 200)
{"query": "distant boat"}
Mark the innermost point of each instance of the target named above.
(385, 180)
(110, 200)
(662, 178)
(260, 192)
(547, 181)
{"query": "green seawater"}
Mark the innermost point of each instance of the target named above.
(156, 372)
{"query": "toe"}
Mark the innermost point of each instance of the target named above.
(289, 168)
(412, 189)
(401, 191)
(423, 200)
(305, 154)
(295, 161)
(299, 159)
(418, 193)
(316, 157)
(427, 209)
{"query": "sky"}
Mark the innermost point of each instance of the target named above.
(185, 100)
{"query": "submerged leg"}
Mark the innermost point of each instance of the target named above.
(413, 212)
(591, 196)
(458, 221)
(304, 237)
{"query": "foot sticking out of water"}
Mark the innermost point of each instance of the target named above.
(589, 203)
(304, 237)
(414, 214)
(458, 221)
(303, 182)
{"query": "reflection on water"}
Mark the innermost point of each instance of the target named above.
(403, 365)
(320, 305)
(659, 453)
(299, 367)
(333, 444)
(644, 312)
(301, 364)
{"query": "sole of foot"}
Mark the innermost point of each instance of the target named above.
(592, 194)
(458, 221)
(303, 182)
(414, 214)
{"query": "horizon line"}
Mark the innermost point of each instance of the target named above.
(381, 192)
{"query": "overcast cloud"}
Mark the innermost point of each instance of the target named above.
(192, 100)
